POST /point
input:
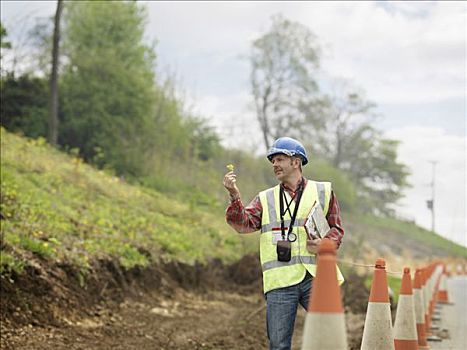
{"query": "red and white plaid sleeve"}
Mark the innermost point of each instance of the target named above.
(244, 219)
(334, 220)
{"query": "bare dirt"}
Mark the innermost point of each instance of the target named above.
(167, 306)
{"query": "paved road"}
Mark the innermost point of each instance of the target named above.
(454, 317)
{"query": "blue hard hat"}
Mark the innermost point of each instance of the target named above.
(289, 147)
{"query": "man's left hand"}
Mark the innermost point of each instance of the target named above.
(312, 245)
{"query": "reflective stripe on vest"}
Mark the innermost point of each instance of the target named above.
(294, 260)
(277, 274)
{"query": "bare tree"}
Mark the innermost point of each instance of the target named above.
(283, 62)
(53, 118)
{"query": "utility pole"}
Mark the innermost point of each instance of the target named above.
(431, 203)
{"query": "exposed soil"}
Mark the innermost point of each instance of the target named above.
(167, 306)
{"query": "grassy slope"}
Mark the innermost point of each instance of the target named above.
(399, 241)
(59, 208)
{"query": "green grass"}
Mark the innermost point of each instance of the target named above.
(425, 237)
(9, 263)
(57, 207)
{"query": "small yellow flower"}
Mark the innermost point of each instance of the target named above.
(230, 167)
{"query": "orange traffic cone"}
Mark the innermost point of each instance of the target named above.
(442, 296)
(405, 328)
(377, 332)
(325, 312)
(419, 304)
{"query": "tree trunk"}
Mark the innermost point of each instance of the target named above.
(338, 155)
(264, 117)
(53, 117)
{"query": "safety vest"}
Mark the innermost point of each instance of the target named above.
(279, 274)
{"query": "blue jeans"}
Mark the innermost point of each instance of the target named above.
(281, 310)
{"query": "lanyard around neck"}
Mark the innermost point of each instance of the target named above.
(282, 199)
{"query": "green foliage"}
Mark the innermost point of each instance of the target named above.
(107, 84)
(3, 34)
(204, 141)
(113, 110)
(4, 44)
(373, 167)
(24, 105)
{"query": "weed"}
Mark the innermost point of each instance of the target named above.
(9, 263)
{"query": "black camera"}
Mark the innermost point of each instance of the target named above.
(284, 250)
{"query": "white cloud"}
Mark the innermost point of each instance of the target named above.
(399, 58)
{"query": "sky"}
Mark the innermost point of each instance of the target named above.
(408, 57)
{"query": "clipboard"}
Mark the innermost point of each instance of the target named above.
(316, 224)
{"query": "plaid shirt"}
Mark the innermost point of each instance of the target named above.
(248, 219)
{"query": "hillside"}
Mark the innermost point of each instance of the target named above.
(57, 207)
(79, 246)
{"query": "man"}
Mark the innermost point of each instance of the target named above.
(287, 250)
